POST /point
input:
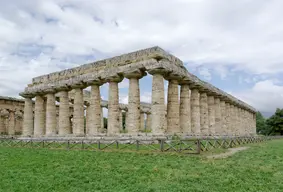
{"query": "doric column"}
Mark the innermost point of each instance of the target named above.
(133, 126)
(173, 110)
(126, 119)
(158, 107)
(228, 119)
(211, 115)
(11, 123)
(64, 114)
(223, 118)
(218, 117)
(148, 122)
(102, 122)
(19, 122)
(93, 123)
(142, 123)
(28, 118)
(242, 128)
(203, 114)
(78, 119)
(232, 120)
(39, 116)
(113, 107)
(4, 115)
(50, 115)
(237, 121)
(195, 111)
(121, 120)
(254, 123)
(185, 109)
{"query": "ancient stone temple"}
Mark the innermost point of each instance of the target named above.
(199, 110)
(11, 115)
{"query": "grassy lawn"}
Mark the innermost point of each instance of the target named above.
(259, 168)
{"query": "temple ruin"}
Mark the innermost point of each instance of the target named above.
(200, 110)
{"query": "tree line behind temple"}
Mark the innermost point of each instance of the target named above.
(270, 126)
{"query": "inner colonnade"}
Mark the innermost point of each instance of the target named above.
(199, 110)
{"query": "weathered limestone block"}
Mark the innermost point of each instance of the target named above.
(185, 109)
(142, 123)
(113, 109)
(28, 118)
(223, 118)
(94, 118)
(158, 107)
(173, 111)
(51, 122)
(39, 116)
(203, 114)
(211, 115)
(148, 122)
(64, 114)
(78, 119)
(133, 125)
(195, 111)
(217, 110)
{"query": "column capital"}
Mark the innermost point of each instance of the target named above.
(116, 78)
(158, 71)
(135, 74)
(4, 113)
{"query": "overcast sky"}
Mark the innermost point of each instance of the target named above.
(235, 45)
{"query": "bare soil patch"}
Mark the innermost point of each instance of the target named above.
(231, 151)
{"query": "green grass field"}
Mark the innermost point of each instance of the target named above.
(260, 168)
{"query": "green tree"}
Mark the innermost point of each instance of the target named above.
(261, 127)
(275, 123)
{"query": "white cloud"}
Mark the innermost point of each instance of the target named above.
(39, 37)
(205, 73)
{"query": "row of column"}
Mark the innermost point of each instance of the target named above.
(10, 122)
(197, 112)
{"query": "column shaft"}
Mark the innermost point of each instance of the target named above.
(195, 111)
(28, 118)
(2, 125)
(39, 116)
(101, 130)
(211, 115)
(228, 119)
(50, 115)
(113, 109)
(12, 121)
(134, 106)
(158, 106)
(78, 119)
(173, 111)
(64, 114)
(185, 110)
(142, 123)
(121, 121)
(94, 117)
(223, 130)
(148, 122)
(217, 109)
(203, 114)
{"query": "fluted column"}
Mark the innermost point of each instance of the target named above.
(19, 122)
(142, 123)
(39, 116)
(195, 111)
(173, 110)
(203, 114)
(133, 126)
(50, 115)
(211, 115)
(4, 115)
(78, 119)
(237, 120)
(228, 119)
(243, 131)
(223, 118)
(28, 118)
(64, 114)
(113, 108)
(94, 118)
(232, 120)
(126, 119)
(185, 109)
(121, 120)
(148, 122)
(218, 117)
(158, 106)
(102, 121)
(11, 123)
